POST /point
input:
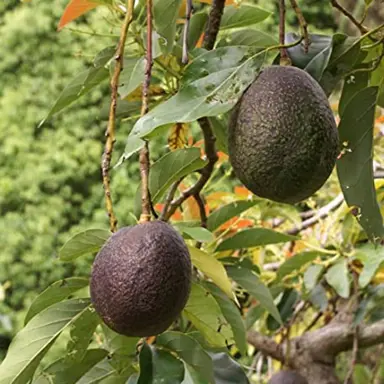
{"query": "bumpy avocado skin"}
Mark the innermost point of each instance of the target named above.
(283, 139)
(141, 279)
(287, 377)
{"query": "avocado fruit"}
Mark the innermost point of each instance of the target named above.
(141, 279)
(282, 137)
(287, 377)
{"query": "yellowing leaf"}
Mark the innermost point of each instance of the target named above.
(212, 268)
(75, 9)
(177, 138)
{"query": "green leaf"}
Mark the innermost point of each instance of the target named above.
(248, 37)
(253, 237)
(372, 256)
(295, 263)
(227, 370)
(199, 234)
(66, 371)
(232, 315)
(78, 87)
(168, 169)
(190, 351)
(124, 109)
(352, 85)
(286, 308)
(251, 283)
(146, 369)
(243, 16)
(316, 59)
(204, 313)
(253, 314)
(337, 278)
(212, 268)
(377, 79)
(213, 94)
(56, 292)
(355, 166)
(196, 28)
(132, 76)
(31, 344)
(311, 276)
(221, 215)
(86, 242)
(219, 127)
(165, 14)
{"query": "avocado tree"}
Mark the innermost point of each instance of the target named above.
(273, 285)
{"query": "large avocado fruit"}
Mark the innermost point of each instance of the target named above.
(141, 279)
(287, 377)
(283, 139)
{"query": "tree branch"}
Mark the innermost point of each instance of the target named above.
(188, 12)
(144, 153)
(266, 345)
(213, 25)
(303, 24)
(339, 7)
(284, 58)
(110, 133)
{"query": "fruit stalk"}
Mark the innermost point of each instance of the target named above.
(110, 132)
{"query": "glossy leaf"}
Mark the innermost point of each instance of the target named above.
(245, 15)
(211, 94)
(251, 283)
(78, 87)
(212, 268)
(295, 263)
(372, 257)
(165, 14)
(227, 212)
(56, 292)
(31, 344)
(83, 243)
(232, 314)
(337, 278)
(354, 167)
(199, 234)
(65, 371)
(248, 37)
(204, 313)
(253, 237)
(190, 351)
(227, 370)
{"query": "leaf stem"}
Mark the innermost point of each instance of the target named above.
(110, 133)
(284, 58)
(303, 24)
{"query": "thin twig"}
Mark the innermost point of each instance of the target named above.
(361, 27)
(144, 153)
(110, 133)
(203, 214)
(284, 58)
(314, 321)
(188, 12)
(303, 24)
(169, 198)
(210, 35)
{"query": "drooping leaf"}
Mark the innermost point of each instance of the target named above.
(250, 282)
(372, 256)
(146, 368)
(377, 79)
(311, 276)
(337, 278)
(177, 138)
(248, 37)
(190, 351)
(212, 268)
(253, 237)
(199, 234)
(294, 263)
(219, 127)
(253, 314)
(86, 242)
(165, 13)
(56, 292)
(226, 370)
(215, 91)
(232, 315)
(31, 344)
(78, 87)
(355, 165)
(65, 371)
(318, 297)
(286, 308)
(75, 9)
(227, 212)
(196, 28)
(132, 76)
(204, 313)
(245, 15)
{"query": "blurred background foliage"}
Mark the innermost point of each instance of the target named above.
(50, 184)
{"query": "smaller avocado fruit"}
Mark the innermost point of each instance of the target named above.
(283, 141)
(287, 377)
(141, 279)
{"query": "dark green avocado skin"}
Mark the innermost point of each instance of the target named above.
(283, 140)
(141, 279)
